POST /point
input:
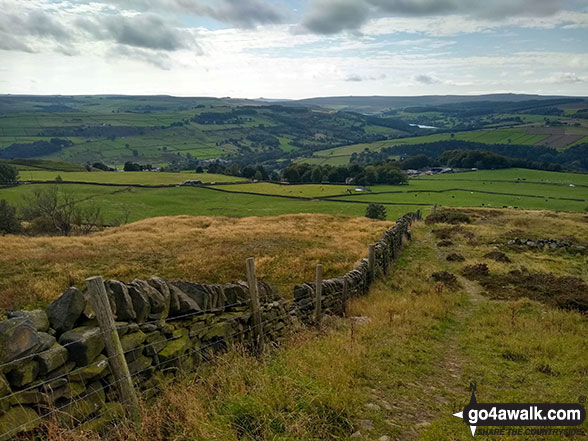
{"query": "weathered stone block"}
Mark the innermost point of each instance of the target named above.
(51, 359)
(83, 344)
(64, 311)
(18, 338)
(17, 420)
(37, 317)
(96, 369)
(141, 302)
(174, 348)
(125, 311)
(23, 373)
(181, 303)
(131, 341)
(157, 303)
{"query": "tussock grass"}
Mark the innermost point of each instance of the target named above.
(402, 370)
(35, 270)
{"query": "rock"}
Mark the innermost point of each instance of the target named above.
(51, 359)
(161, 286)
(18, 338)
(235, 294)
(140, 365)
(64, 311)
(47, 340)
(158, 307)
(197, 292)
(80, 409)
(110, 413)
(125, 311)
(94, 370)
(366, 424)
(174, 348)
(372, 406)
(17, 420)
(37, 317)
(185, 304)
(155, 342)
(356, 435)
(24, 373)
(131, 341)
(61, 371)
(141, 302)
(384, 438)
(83, 344)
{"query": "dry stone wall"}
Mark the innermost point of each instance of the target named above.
(53, 362)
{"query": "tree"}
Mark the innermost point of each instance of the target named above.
(53, 210)
(9, 223)
(199, 169)
(376, 211)
(131, 167)
(8, 175)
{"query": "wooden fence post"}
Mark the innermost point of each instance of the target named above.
(114, 350)
(435, 209)
(372, 262)
(255, 308)
(318, 294)
(345, 294)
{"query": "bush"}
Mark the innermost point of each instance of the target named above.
(448, 217)
(8, 175)
(376, 211)
(9, 222)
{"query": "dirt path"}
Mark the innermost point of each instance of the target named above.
(447, 387)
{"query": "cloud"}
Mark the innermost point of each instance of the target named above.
(426, 79)
(240, 13)
(566, 78)
(358, 78)
(143, 31)
(334, 16)
(158, 59)
(15, 28)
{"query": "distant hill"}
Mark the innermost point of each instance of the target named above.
(376, 104)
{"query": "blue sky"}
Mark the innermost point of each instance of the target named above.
(294, 48)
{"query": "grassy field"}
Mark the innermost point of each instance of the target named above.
(527, 189)
(405, 368)
(517, 135)
(33, 271)
(123, 178)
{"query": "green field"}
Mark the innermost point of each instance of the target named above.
(341, 155)
(524, 189)
(126, 178)
(142, 203)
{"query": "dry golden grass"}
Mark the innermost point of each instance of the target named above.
(35, 270)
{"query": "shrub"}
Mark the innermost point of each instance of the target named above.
(376, 211)
(8, 175)
(9, 222)
(448, 217)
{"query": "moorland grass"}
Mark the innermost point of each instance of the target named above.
(406, 369)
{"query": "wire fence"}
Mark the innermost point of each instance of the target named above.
(76, 396)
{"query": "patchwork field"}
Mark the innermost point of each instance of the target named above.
(551, 136)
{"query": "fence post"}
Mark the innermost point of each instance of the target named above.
(372, 262)
(435, 209)
(345, 294)
(318, 294)
(255, 308)
(114, 350)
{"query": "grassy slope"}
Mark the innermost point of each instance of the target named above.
(146, 178)
(205, 249)
(341, 155)
(408, 369)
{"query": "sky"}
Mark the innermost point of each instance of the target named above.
(294, 48)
